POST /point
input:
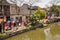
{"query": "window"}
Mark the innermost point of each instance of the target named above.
(6, 10)
(16, 18)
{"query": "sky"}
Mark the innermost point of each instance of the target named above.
(40, 3)
(43, 3)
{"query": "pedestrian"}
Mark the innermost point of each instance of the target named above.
(5, 27)
(49, 17)
(12, 24)
(8, 24)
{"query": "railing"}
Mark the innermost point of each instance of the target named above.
(56, 17)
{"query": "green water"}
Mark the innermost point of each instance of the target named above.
(37, 34)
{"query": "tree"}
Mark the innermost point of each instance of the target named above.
(55, 9)
(39, 14)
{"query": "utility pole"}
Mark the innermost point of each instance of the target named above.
(3, 15)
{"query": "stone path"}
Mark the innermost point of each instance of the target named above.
(15, 29)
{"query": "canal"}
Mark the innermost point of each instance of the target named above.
(50, 33)
(37, 34)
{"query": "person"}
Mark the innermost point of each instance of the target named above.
(5, 26)
(27, 21)
(15, 24)
(12, 24)
(8, 24)
(48, 17)
(20, 21)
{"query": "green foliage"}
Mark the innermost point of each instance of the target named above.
(55, 9)
(42, 14)
(39, 14)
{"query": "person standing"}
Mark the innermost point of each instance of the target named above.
(8, 24)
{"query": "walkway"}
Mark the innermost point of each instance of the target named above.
(15, 29)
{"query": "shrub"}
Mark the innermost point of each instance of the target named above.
(39, 14)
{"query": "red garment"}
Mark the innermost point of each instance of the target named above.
(12, 24)
(5, 24)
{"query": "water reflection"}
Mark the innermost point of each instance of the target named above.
(37, 34)
(49, 36)
(40, 34)
(26, 38)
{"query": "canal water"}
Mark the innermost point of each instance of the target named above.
(37, 34)
(40, 34)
